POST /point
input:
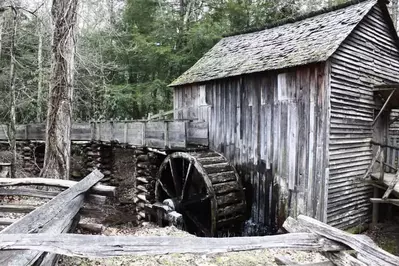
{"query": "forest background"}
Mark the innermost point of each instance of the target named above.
(128, 51)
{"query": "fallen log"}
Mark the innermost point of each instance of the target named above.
(97, 189)
(371, 255)
(338, 258)
(96, 246)
(53, 217)
(37, 193)
(19, 208)
(28, 192)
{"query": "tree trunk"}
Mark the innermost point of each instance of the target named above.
(1, 32)
(40, 74)
(58, 139)
(13, 142)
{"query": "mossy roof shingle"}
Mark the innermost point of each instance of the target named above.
(310, 40)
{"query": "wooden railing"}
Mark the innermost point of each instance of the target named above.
(155, 134)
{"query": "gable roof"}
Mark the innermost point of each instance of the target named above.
(310, 40)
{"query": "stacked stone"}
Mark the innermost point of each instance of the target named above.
(39, 150)
(99, 156)
(33, 158)
(147, 164)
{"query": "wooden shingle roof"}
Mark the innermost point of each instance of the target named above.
(310, 40)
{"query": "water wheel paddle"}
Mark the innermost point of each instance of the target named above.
(205, 189)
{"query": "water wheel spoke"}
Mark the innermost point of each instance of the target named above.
(202, 188)
(165, 189)
(196, 199)
(187, 181)
(175, 177)
(199, 225)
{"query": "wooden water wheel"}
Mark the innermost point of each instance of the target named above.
(205, 189)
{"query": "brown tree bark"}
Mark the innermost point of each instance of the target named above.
(58, 137)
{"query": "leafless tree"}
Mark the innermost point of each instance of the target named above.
(12, 91)
(58, 140)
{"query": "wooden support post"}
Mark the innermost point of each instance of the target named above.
(370, 169)
(384, 106)
(382, 169)
(374, 220)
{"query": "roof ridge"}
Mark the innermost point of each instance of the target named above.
(301, 17)
(300, 43)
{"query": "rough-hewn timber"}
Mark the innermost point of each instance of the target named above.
(155, 134)
(108, 246)
(98, 189)
(53, 218)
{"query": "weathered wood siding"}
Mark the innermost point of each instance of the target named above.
(273, 127)
(394, 127)
(368, 57)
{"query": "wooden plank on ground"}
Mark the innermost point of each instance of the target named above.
(110, 246)
(97, 189)
(53, 217)
(21, 208)
(92, 227)
(338, 258)
(37, 193)
(372, 255)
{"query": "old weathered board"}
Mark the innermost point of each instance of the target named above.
(371, 255)
(298, 123)
(98, 189)
(52, 217)
(155, 134)
(109, 246)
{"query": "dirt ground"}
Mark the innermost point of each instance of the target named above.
(386, 236)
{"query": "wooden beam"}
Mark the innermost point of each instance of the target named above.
(370, 169)
(37, 193)
(384, 106)
(20, 208)
(97, 189)
(92, 227)
(391, 186)
(93, 246)
(53, 217)
(372, 255)
(385, 201)
(338, 258)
